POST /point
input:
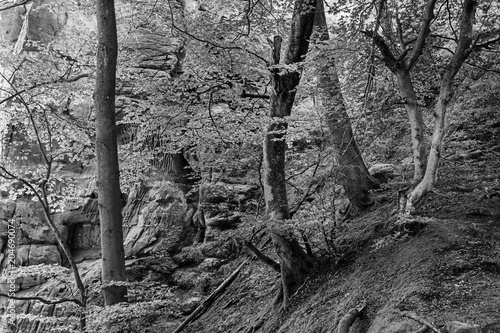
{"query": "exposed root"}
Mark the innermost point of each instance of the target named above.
(348, 319)
(420, 320)
(422, 329)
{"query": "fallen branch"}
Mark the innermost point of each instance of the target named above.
(348, 319)
(213, 296)
(420, 320)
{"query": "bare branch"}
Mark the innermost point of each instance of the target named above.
(387, 56)
(37, 85)
(43, 300)
(422, 35)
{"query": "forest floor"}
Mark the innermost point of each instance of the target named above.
(441, 264)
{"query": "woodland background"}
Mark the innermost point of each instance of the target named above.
(333, 158)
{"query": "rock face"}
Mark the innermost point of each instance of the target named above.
(156, 217)
(33, 229)
(224, 205)
(36, 254)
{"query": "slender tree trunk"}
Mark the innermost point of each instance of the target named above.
(462, 51)
(354, 175)
(294, 262)
(108, 176)
(416, 122)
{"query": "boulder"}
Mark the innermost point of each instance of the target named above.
(459, 327)
(189, 256)
(156, 217)
(11, 23)
(211, 264)
(7, 209)
(191, 279)
(383, 172)
(222, 221)
(189, 305)
(36, 254)
(44, 23)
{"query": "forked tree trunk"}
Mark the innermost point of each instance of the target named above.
(407, 92)
(462, 52)
(354, 175)
(108, 175)
(295, 263)
(401, 65)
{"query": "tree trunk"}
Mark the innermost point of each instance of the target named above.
(416, 122)
(108, 176)
(295, 263)
(461, 53)
(354, 175)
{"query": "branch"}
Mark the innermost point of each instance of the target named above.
(262, 257)
(487, 45)
(43, 300)
(422, 36)
(245, 94)
(37, 85)
(464, 47)
(387, 56)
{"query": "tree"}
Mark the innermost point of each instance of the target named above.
(108, 175)
(295, 264)
(462, 51)
(401, 65)
(354, 175)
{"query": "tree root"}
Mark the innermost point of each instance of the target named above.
(348, 319)
(262, 257)
(420, 320)
(422, 329)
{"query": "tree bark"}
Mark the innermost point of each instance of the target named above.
(108, 176)
(294, 262)
(354, 175)
(462, 51)
(407, 92)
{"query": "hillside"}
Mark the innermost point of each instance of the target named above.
(442, 264)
